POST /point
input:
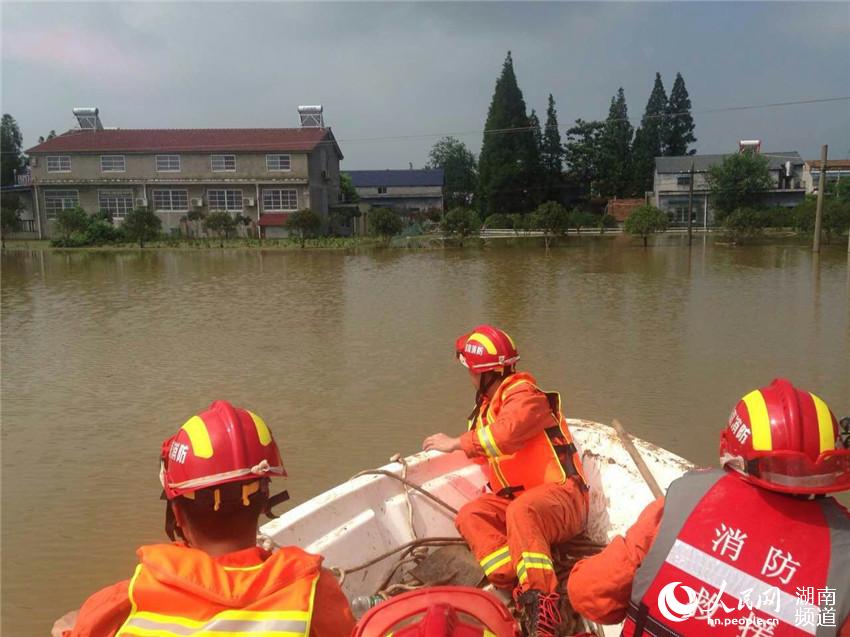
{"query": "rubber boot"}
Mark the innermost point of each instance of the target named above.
(541, 614)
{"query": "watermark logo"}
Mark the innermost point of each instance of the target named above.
(671, 608)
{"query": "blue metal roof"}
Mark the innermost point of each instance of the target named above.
(374, 178)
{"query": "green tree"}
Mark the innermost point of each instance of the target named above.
(220, 223)
(579, 219)
(384, 223)
(460, 170)
(50, 135)
(499, 221)
(141, 224)
(509, 164)
(679, 129)
(552, 218)
(552, 154)
(740, 181)
(304, 224)
(583, 156)
(649, 139)
(835, 220)
(11, 155)
(347, 189)
(645, 221)
(615, 169)
(10, 216)
(742, 224)
(461, 223)
(71, 220)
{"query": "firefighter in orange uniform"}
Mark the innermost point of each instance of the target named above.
(757, 550)
(215, 474)
(539, 495)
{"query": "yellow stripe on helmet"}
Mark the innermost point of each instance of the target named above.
(759, 421)
(263, 432)
(484, 340)
(199, 437)
(827, 433)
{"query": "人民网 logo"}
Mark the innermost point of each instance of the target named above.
(671, 608)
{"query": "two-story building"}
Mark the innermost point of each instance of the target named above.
(672, 183)
(405, 191)
(264, 174)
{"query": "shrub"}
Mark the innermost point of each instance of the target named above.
(645, 221)
(384, 223)
(743, 223)
(579, 219)
(461, 223)
(304, 224)
(100, 232)
(220, 223)
(141, 224)
(71, 220)
(499, 221)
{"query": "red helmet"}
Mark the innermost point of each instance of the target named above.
(786, 439)
(220, 445)
(485, 349)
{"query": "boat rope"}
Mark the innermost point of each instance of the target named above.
(400, 459)
(341, 573)
(415, 487)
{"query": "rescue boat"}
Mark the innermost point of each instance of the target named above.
(379, 529)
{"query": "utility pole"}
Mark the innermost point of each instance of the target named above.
(691, 206)
(821, 188)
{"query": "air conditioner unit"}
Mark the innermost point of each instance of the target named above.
(141, 202)
(197, 202)
(249, 201)
(34, 161)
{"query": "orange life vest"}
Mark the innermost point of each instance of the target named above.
(550, 456)
(178, 591)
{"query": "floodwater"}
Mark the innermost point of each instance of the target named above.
(348, 357)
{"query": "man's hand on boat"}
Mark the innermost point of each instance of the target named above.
(441, 442)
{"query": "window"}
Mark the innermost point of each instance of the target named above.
(382, 190)
(229, 200)
(683, 180)
(116, 202)
(112, 164)
(280, 199)
(222, 163)
(171, 200)
(59, 164)
(278, 162)
(57, 200)
(168, 163)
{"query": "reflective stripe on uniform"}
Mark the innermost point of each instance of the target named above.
(532, 560)
(739, 584)
(485, 437)
(495, 560)
(272, 624)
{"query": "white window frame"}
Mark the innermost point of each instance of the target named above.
(169, 159)
(271, 193)
(62, 160)
(109, 163)
(223, 159)
(117, 213)
(66, 199)
(171, 207)
(278, 157)
(229, 202)
(382, 190)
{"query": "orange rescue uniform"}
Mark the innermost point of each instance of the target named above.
(600, 587)
(540, 497)
(177, 588)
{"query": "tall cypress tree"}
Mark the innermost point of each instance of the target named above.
(552, 154)
(615, 170)
(509, 163)
(680, 126)
(649, 138)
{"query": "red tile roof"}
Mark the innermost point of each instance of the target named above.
(620, 209)
(163, 140)
(831, 164)
(274, 219)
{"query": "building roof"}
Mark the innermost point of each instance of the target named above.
(273, 219)
(682, 163)
(163, 140)
(831, 164)
(373, 178)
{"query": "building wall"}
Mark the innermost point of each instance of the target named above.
(402, 191)
(407, 203)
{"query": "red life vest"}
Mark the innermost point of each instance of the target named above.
(550, 456)
(732, 559)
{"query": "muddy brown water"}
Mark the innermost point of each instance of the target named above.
(348, 357)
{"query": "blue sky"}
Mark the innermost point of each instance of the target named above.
(414, 71)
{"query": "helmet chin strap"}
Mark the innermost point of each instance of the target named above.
(487, 380)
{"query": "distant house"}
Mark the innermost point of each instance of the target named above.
(405, 191)
(620, 209)
(835, 169)
(264, 174)
(672, 181)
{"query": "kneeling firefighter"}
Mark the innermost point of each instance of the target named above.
(539, 497)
